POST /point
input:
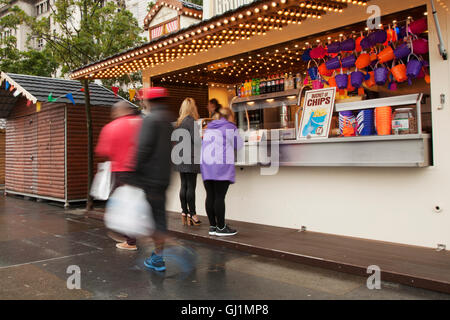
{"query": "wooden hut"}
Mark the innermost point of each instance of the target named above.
(46, 142)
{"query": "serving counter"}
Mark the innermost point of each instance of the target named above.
(262, 147)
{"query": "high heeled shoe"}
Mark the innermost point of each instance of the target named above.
(184, 220)
(192, 222)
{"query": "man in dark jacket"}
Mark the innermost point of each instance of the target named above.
(153, 166)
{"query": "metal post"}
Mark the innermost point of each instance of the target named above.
(441, 47)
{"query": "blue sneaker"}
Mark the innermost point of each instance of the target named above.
(155, 262)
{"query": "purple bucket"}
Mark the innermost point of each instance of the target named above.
(349, 62)
(381, 74)
(313, 73)
(413, 68)
(342, 81)
(366, 43)
(402, 51)
(356, 79)
(333, 63)
(334, 47)
(348, 45)
(379, 36)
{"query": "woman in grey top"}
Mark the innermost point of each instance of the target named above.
(190, 165)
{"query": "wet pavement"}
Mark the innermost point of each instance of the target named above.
(40, 241)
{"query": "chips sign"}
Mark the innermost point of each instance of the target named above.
(317, 112)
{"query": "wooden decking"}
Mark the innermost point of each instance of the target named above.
(415, 266)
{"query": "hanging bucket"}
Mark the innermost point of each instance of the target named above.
(333, 63)
(334, 47)
(401, 32)
(378, 36)
(348, 62)
(386, 55)
(418, 26)
(363, 61)
(342, 80)
(371, 81)
(317, 84)
(306, 55)
(313, 72)
(332, 82)
(356, 79)
(413, 68)
(366, 43)
(391, 35)
(381, 75)
(420, 46)
(318, 52)
(402, 51)
(323, 70)
(358, 47)
(348, 45)
(399, 72)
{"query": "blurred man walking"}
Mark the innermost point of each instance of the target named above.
(153, 166)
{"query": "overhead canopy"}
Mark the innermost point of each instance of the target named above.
(256, 18)
(38, 89)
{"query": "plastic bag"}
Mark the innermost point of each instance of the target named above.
(102, 184)
(129, 213)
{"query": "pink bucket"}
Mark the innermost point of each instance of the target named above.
(418, 26)
(420, 46)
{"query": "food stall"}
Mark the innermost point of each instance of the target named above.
(380, 166)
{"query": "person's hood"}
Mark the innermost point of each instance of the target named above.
(221, 124)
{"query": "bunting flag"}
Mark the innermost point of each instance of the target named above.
(11, 89)
(70, 97)
(115, 90)
(38, 106)
(132, 93)
(16, 93)
(50, 98)
(29, 103)
(7, 85)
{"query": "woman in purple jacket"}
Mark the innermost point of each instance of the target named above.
(220, 141)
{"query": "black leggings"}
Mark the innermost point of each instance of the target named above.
(187, 192)
(215, 201)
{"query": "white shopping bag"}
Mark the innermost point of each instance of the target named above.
(103, 182)
(128, 212)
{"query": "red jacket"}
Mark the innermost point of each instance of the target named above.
(118, 141)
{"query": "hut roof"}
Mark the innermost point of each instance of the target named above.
(36, 88)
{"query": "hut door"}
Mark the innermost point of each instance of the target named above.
(30, 153)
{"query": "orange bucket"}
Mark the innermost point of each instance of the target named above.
(324, 71)
(363, 61)
(386, 55)
(399, 73)
(332, 82)
(371, 81)
(358, 47)
(383, 120)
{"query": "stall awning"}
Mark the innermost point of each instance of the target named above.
(256, 18)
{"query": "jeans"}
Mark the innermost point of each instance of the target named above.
(187, 192)
(215, 201)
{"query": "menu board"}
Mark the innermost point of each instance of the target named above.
(317, 112)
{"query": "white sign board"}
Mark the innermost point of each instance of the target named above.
(318, 108)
